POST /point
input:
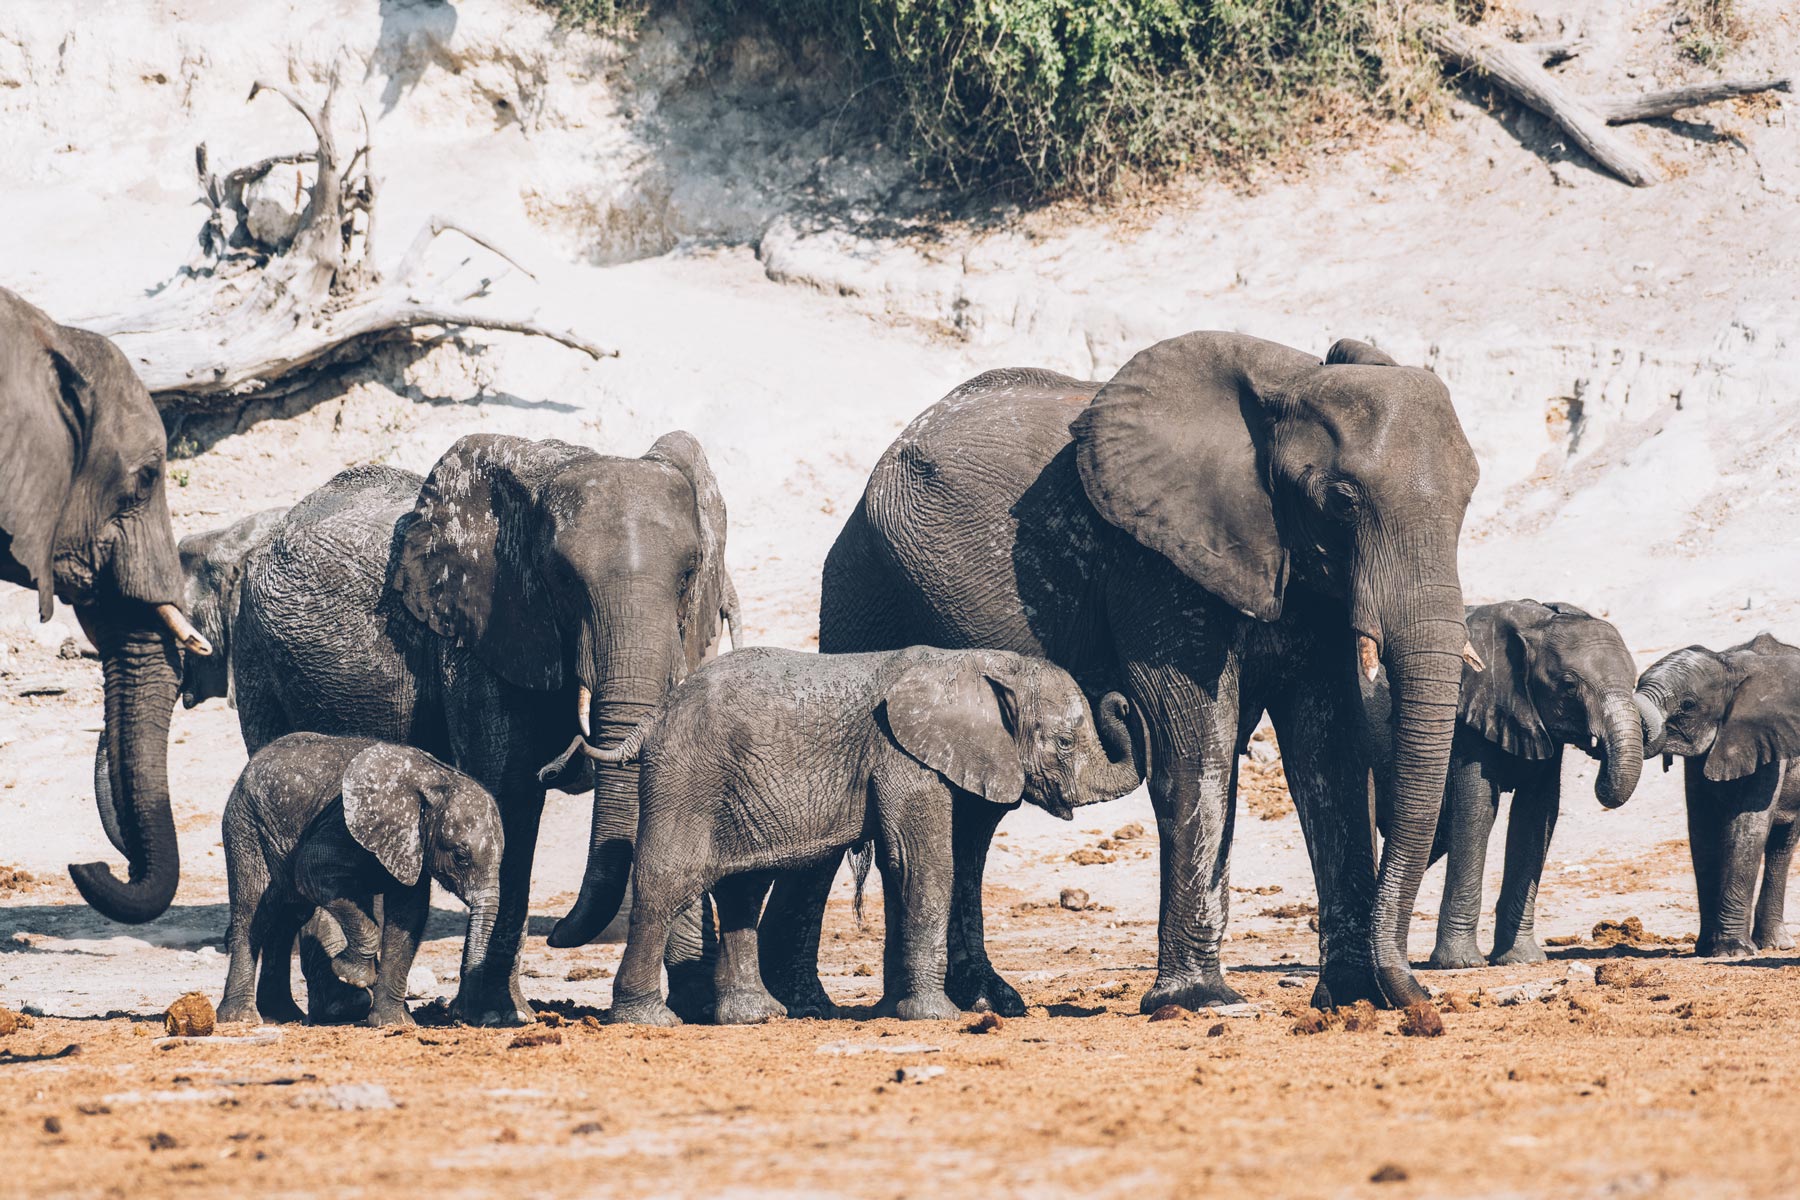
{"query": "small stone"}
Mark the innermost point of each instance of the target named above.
(987, 1022)
(1172, 1012)
(586, 1128)
(1421, 1020)
(1389, 1173)
(507, 1137)
(190, 1016)
(163, 1141)
(1111, 991)
(536, 1037)
(1295, 981)
(70, 649)
(52, 1124)
(1073, 899)
(421, 984)
(917, 1074)
(1218, 1030)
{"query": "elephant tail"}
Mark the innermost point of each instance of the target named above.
(626, 751)
(862, 855)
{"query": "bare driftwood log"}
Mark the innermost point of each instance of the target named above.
(1518, 69)
(248, 315)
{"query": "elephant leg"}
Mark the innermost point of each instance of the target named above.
(916, 886)
(356, 963)
(788, 939)
(275, 984)
(637, 989)
(1471, 801)
(742, 998)
(245, 939)
(972, 982)
(690, 956)
(402, 929)
(1770, 932)
(1728, 834)
(1529, 827)
(329, 1000)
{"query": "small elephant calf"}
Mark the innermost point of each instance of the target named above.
(765, 761)
(336, 823)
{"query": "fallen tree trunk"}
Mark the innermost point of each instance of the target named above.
(256, 312)
(1518, 70)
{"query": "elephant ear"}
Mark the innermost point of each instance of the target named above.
(707, 595)
(1173, 451)
(384, 806)
(959, 715)
(1351, 351)
(1762, 722)
(1497, 701)
(467, 564)
(48, 408)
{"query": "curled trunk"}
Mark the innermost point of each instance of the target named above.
(1622, 748)
(1125, 750)
(484, 910)
(1651, 715)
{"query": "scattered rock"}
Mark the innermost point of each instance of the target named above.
(1217, 1030)
(349, 1097)
(507, 1136)
(52, 1124)
(1240, 1010)
(536, 1037)
(1086, 857)
(1389, 1173)
(163, 1141)
(987, 1022)
(1128, 833)
(1111, 991)
(190, 1016)
(1073, 899)
(917, 1074)
(69, 650)
(1296, 981)
(93, 1108)
(421, 984)
(584, 974)
(586, 1128)
(1171, 1012)
(1568, 939)
(1421, 1020)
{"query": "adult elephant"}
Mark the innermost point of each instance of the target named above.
(1227, 527)
(84, 519)
(519, 592)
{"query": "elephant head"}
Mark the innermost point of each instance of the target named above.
(570, 571)
(84, 518)
(418, 816)
(212, 564)
(1557, 676)
(1004, 727)
(1253, 467)
(1739, 710)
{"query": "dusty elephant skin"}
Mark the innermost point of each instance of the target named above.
(522, 591)
(1225, 528)
(1735, 717)
(84, 518)
(342, 824)
(1553, 676)
(770, 761)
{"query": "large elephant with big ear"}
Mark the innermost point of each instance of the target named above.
(84, 518)
(1734, 715)
(1227, 527)
(522, 591)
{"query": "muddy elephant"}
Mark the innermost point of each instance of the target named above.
(358, 829)
(1734, 715)
(521, 592)
(1226, 527)
(84, 519)
(736, 790)
(1554, 676)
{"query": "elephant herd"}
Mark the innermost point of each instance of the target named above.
(1049, 591)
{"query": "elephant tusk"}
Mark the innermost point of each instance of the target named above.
(584, 700)
(1368, 654)
(189, 638)
(1473, 659)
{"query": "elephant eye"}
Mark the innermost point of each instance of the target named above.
(1341, 499)
(1065, 741)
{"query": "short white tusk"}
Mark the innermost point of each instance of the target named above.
(189, 638)
(1472, 658)
(1369, 655)
(584, 699)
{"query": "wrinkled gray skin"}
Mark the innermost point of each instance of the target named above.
(1735, 717)
(84, 518)
(769, 760)
(460, 614)
(339, 824)
(1208, 534)
(1554, 676)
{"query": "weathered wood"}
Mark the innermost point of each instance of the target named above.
(1619, 109)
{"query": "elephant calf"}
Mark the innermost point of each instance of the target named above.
(770, 760)
(1735, 716)
(336, 823)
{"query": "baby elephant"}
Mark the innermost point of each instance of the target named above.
(335, 823)
(771, 760)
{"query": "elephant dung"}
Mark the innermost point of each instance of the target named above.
(12, 1022)
(1073, 899)
(1171, 1012)
(190, 1016)
(1421, 1020)
(987, 1022)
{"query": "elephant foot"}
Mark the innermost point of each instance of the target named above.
(494, 1011)
(232, 1012)
(923, 1006)
(1518, 954)
(803, 1000)
(649, 1010)
(1456, 956)
(747, 1008)
(691, 995)
(338, 1003)
(1209, 991)
(1346, 983)
(276, 1013)
(977, 987)
(1773, 938)
(390, 1014)
(1724, 947)
(357, 970)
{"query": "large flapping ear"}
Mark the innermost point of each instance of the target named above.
(1762, 722)
(1497, 701)
(467, 566)
(385, 793)
(1349, 350)
(959, 715)
(1172, 451)
(47, 406)
(705, 601)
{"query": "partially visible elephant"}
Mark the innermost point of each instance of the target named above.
(1226, 527)
(1735, 716)
(339, 824)
(520, 592)
(768, 760)
(84, 518)
(1554, 676)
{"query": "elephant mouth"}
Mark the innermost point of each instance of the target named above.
(1058, 808)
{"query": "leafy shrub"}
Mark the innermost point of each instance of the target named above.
(618, 17)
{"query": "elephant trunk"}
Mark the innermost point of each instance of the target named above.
(142, 676)
(1622, 748)
(484, 910)
(1126, 758)
(1651, 715)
